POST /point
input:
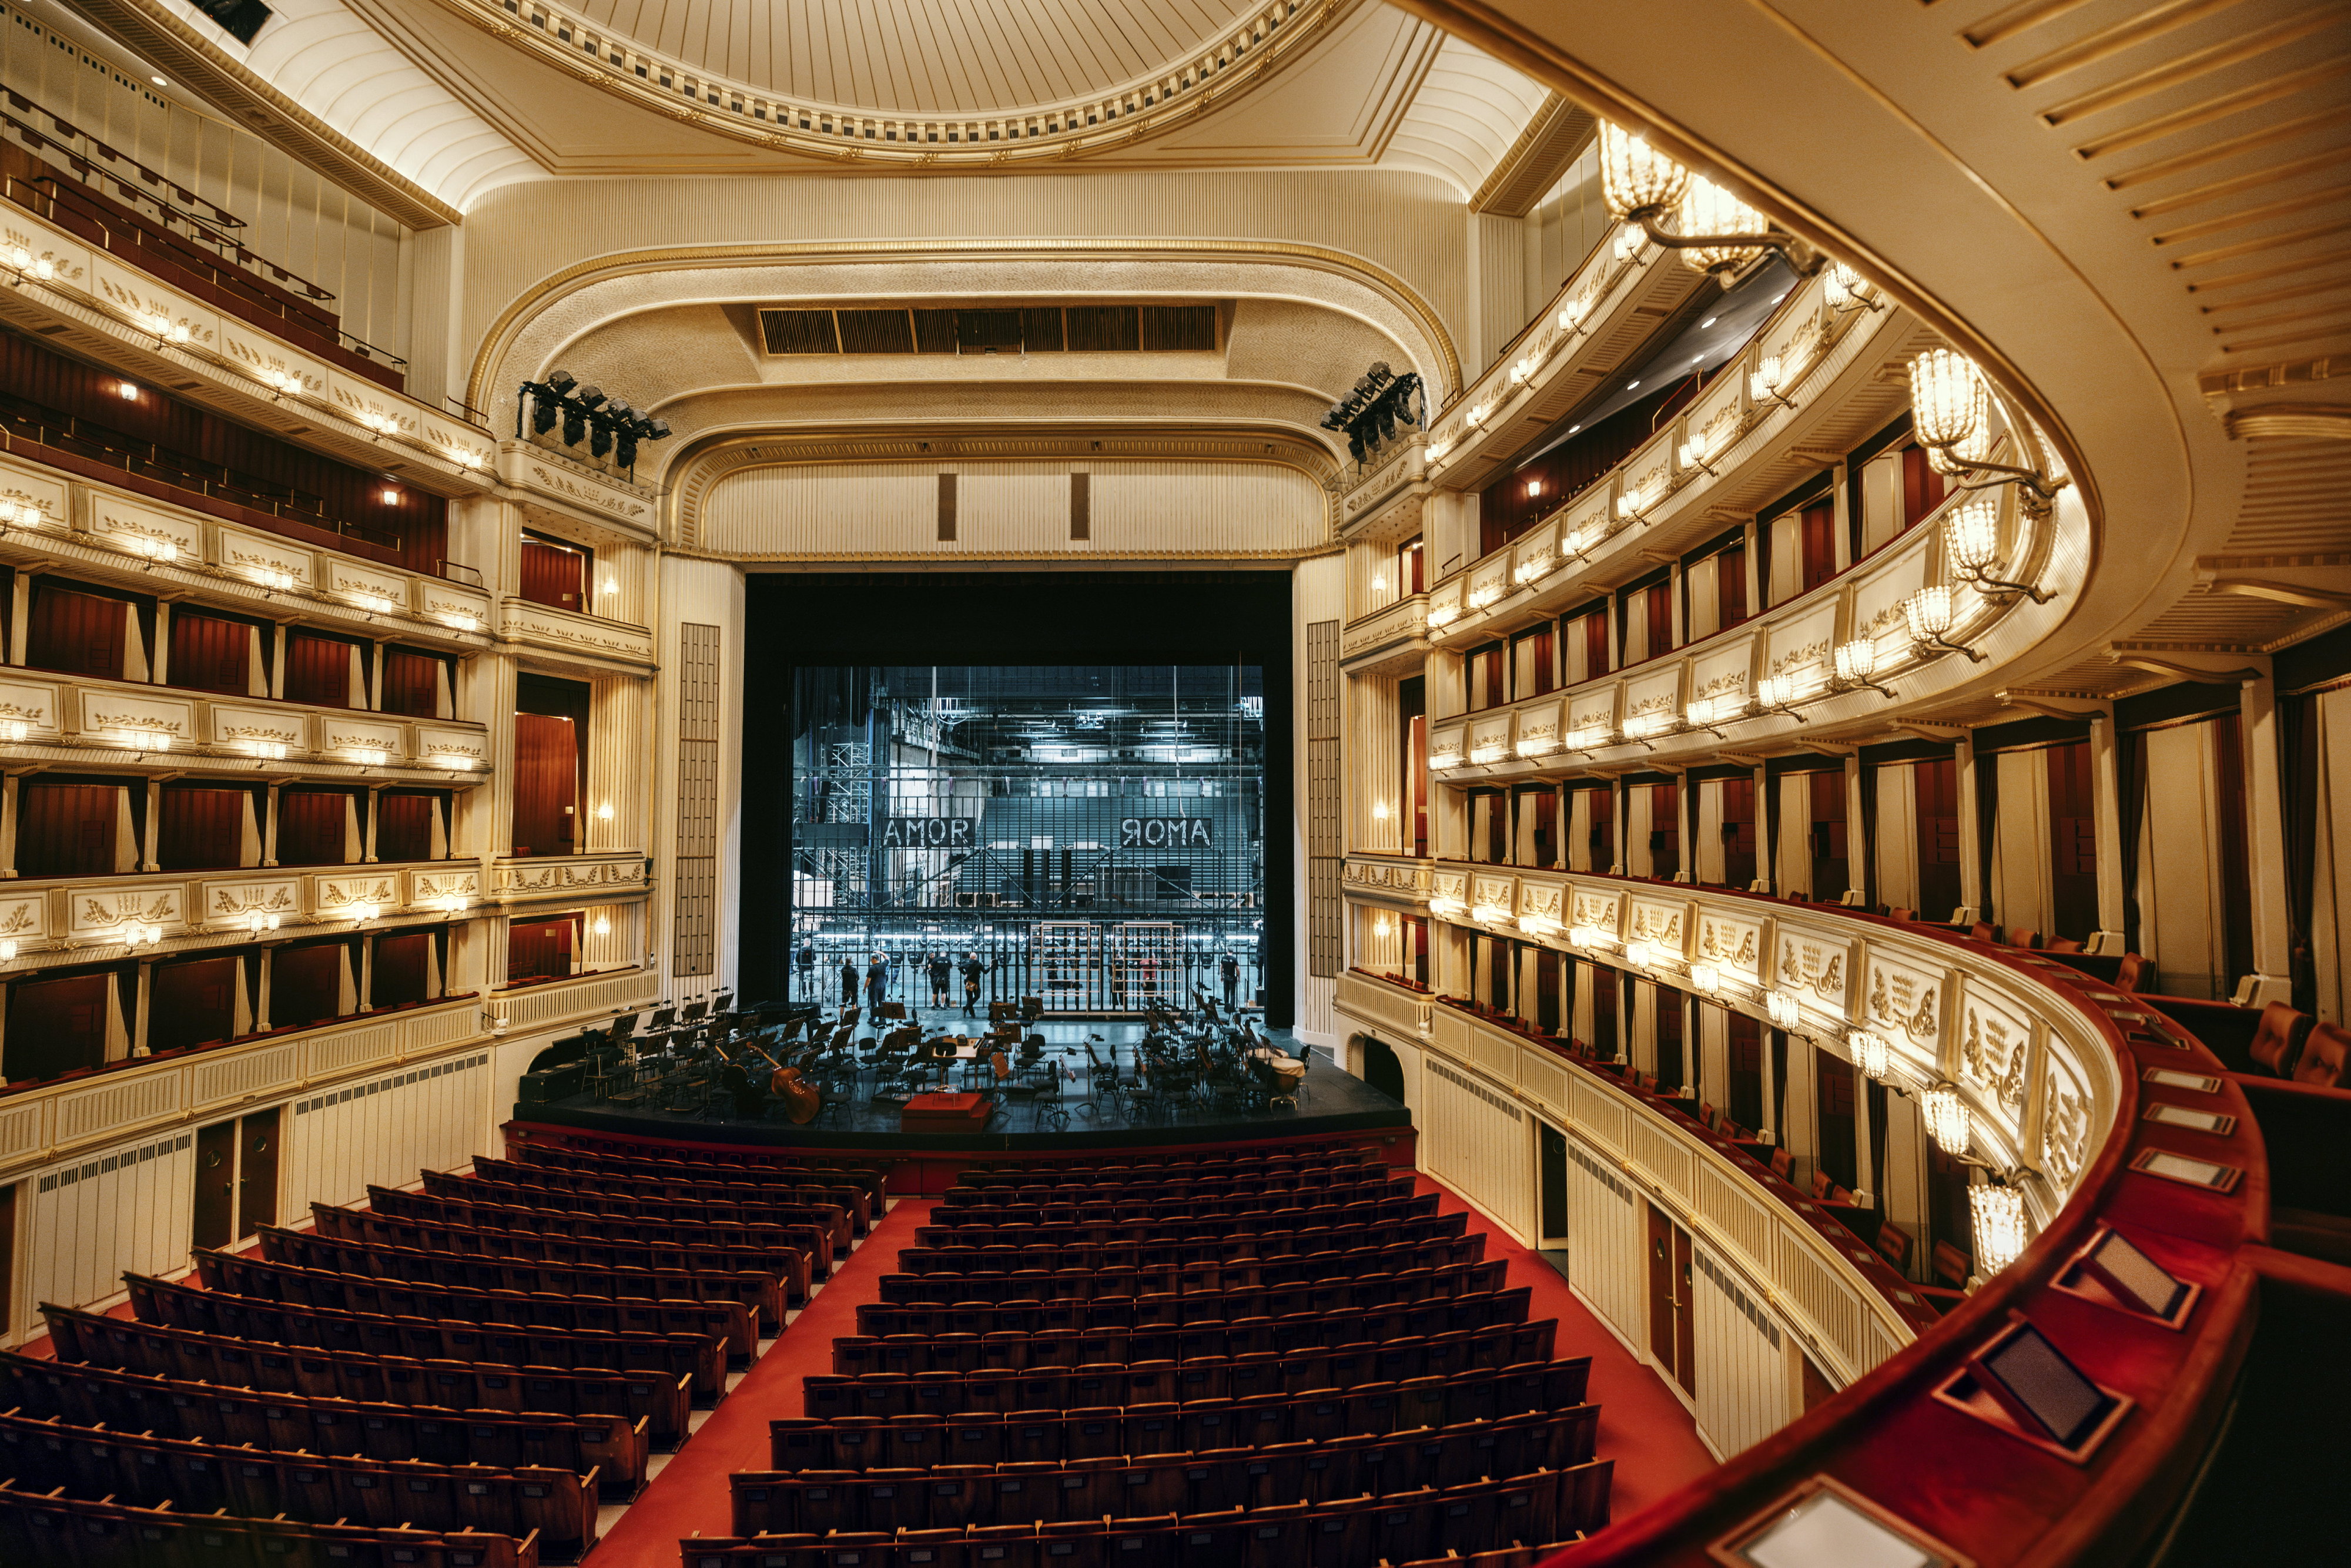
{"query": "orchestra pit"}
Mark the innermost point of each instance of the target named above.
(1218, 784)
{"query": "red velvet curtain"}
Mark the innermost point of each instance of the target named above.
(65, 830)
(541, 950)
(546, 784)
(412, 684)
(403, 827)
(1731, 587)
(200, 829)
(209, 655)
(403, 969)
(1816, 539)
(311, 826)
(318, 670)
(1596, 645)
(553, 576)
(55, 1026)
(306, 984)
(80, 633)
(191, 1003)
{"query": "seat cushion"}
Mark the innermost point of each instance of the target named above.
(2277, 1039)
(2324, 1055)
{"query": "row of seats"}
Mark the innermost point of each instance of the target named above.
(614, 1449)
(1337, 1251)
(1235, 1335)
(57, 1530)
(1146, 1546)
(825, 1223)
(1460, 1355)
(1045, 1491)
(790, 1266)
(602, 1202)
(473, 1212)
(1146, 1167)
(1268, 1231)
(748, 1295)
(782, 1164)
(1412, 1281)
(1295, 1185)
(557, 1506)
(855, 1175)
(2277, 1042)
(1472, 1518)
(887, 1439)
(661, 1402)
(731, 1322)
(854, 1201)
(698, 1358)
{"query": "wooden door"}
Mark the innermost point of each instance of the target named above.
(215, 1207)
(1662, 1333)
(257, 1171)
(546, 789)
(1685, 1316)
(1551, 1145)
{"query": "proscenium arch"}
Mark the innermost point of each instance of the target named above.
(568, 304)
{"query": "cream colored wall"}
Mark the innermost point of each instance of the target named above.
(2022, 897)
(519, 235)
(2182, 923)
(2331, 877)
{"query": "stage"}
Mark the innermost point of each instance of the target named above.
(1330, 1101)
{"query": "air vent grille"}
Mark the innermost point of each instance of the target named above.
(994, 329)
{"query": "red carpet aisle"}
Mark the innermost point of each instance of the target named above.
(1642, 1426)
(689, 1493)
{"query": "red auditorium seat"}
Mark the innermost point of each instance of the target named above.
(2130, 972)
(1784, 1164)
(2278, 1039)
(2022, 939)
(2324, 1053)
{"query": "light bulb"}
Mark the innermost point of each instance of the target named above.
(1972, 533)
(2002, 1232)
(1707, 208)
(1927, 612)
(1947, 1118)
(1872, 1054)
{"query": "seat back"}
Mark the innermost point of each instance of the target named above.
(1783, 1164)
(2324, 1056)
(1894, 1243)
(1952, 1266)
(2277, 1039)
(2130, 973)
(2023, 938)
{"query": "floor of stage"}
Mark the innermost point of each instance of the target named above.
(1330, 1101)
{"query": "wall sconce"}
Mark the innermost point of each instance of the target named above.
(1972, 533)
(1447, 904)
(1379, 582)
(1491, 915)
(1591, 736)
(1537, 745)
(271, 578)
(256, 922)
(1701, 714)
(1950, 409)
(1786, 1011)
(1522, 370)
(25, 265)
(1856, 661)
(1763, 382)
(1849, 290)
(2002, 1232)
(7, 949)
(163, 330)
(1442, 760)
(1537, 924)
(1437, 451)
(135, 934)
(21, 515)
(1486, 755)
(266, 750)
(604, 926)
(142, 739)
(1379, 811)
(373, 603)
(1572, 315)
(463, 622)
(1384, 928)
(1629, 240)
(362, 912)
(1644, 187)
(451, 762)
(1443, 615)
(1929, 614)
(1641, 727)
(1693, 456)
(367, 755)
(1872, 1054)
(1776, 693)
(1629, 503)
(604, 811)
(1947, 1118)
(456, 903)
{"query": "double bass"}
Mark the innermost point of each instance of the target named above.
(801, 1099)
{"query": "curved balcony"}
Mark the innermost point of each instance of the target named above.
(2102, 1114)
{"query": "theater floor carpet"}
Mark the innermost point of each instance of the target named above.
(1642, 1426)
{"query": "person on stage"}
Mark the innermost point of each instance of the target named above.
(1230, 969)
(848, 983)
(972, 970)
(877, 984)
(939, 969)
(808, 970)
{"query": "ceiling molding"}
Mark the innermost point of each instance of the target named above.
(1553, 139)
(499, 341)
(195, 63)
(870, 138)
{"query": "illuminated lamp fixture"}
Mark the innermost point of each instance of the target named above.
(126, 390)
(1443, 760)
(451, 762)
(1383, 927)
(2001, 1233)
(274, 579)
(1491, 915)
(1482, 596)
(1538, 746)
(1928, 614)
(1849, 290)
(1705, 975)
(1437, 451)
(373, 603)
(1776, 693)
(140, 739)
(255, 922)
(1379, 582)
(390, 495)
(1872, 1054)
(1577, 543)
(1447, 904)
(1629, 240)
(1443, 615)
(1972, 533)
(1706, 714)
(1946, 1119)
(21, 515)
(1483, 755)
(1379, 811)
(1764, 382)
(1640, 727)
(1950, 410)
(7, 949)
(1537, 924)
(1591, 736)
(1856, 661)
(1522, 372)
(1572, 314)
(1644, 187)
(1694, 454)
(1629, 503)
(367, 755)
(25, 265)
(1599, 937)
(1477, 415)
(604, 811)
(454, 904)
(1641, 952)
(1786, 1010)
(266, 750)
(15, 729)
(282, 382)
(163, 330)
(459, 620)
(604, 926)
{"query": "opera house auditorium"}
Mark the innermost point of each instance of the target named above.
(1173, 783)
